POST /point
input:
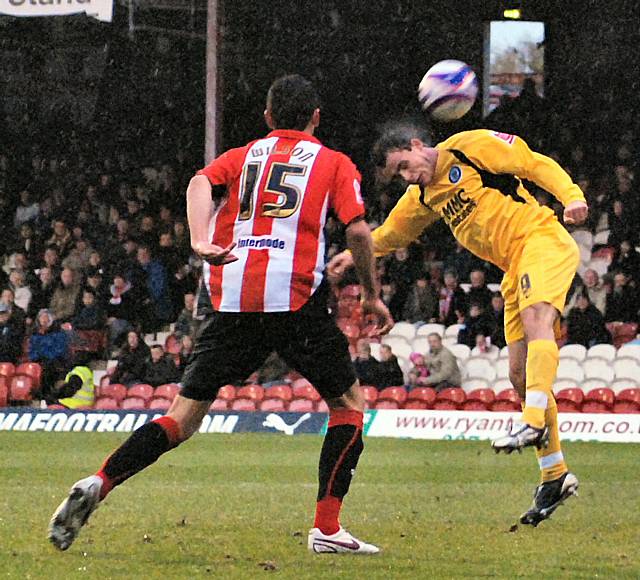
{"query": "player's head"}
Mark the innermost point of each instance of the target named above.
(404, 151)
(292, 103)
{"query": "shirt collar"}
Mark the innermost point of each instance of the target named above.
(292, 134)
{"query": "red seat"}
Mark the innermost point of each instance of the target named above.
(105, 380)
(322, 406)
(115, 391)
(227, 393)
(626, 407)
(133, 403)
(303, 389)
(445, 406)
(397, 394)
(7, 369)
(92, 341)
(142, 390)
(20, 388)
(509, 395)
(168, 391)
(30, 369)
(160, 404)
(370, 394)
(4, 392)
(273, 405)
(56, 407)
(572, 396)
(505, 406)
(282, 392)
(172, 344)
(595, 407)
(416, 404)
(107, 403)
(622, 333)
(603, 395)
(387, 404)
(474, 405)
(301, 406)
(252, 392)
(424, 394)
(566, 406)
(484, 396)
(243, 405)
(629, 396)
(219, 405)
(454, 395)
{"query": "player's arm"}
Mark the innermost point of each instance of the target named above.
(510, 154)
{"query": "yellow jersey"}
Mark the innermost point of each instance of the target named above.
(477, 190)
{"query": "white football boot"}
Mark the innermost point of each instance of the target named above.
(74, 511)
(525, 436)
(342, 542)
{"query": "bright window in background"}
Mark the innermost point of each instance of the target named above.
(514, 51)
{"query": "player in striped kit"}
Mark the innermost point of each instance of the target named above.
(256, 216)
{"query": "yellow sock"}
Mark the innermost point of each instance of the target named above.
(551, 460)
(542, 364)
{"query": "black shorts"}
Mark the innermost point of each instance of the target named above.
(232, 345)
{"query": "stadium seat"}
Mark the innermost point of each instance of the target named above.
(469, 385)
(397, 394)
(590, 384)
(454, 395)
(569, 400)
(569, 368)
(7, 369)
(416, 404)
(505, 406)
(595, 407)
(510, 395)
(480, 368)
(574, 351)
(273, 405)
(115, 391)
(626, 350)
(107, 404)
(445, 405)
(622, 333)
(4, 392)
(626, 368)
(399, 346)
(461, 351)
(30, 369)
(452, 331)
(605, 351)
(375, 350)
(243, 405)
(219, 405)
(322, 406)
(90, 341)
(370, 394)
(424, 394)
(301, 406)
(502, 385)
(598, 368)
(485, 396)
(405, 330)
(387, 404)
(474, 406)
(561, 384)
(504, 352)
(160, 404)
(621, 384)
(168, 391)
(427, 329)
(252, 392)
(604, 396)
(420, 344)
(630, 396)
(282, 392)
(226, 393)
(303, 389)
(624, 407)
(449, 342)
(142, 391)
(502, 368)
(20, 388)
(133, 403)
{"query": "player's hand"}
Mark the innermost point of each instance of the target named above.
(575, 213)
(215, 255)
(338, 265)
(378, 309)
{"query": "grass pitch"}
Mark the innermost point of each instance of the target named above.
(240, 506)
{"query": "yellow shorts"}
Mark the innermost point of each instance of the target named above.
(543, 273)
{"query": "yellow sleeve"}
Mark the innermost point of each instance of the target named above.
(500, 153)
(404, 224)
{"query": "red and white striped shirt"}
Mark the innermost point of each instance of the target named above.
(279, 190)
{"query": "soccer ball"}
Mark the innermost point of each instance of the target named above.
(448, 90)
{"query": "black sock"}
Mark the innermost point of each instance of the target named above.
(338, 460)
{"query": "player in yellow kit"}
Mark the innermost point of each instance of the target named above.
(473, 181)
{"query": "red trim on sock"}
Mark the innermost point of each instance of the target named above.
(328, 515)
(346, 417)
(171, 428)
(107, 484)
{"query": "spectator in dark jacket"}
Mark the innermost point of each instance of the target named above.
(622, 302)
(476, 322)
(422, 302)
(132, 361)
(125, 307)
(159, 368)
(42, 292)
(365, 365)
(479, 292)
(49, 346)
(389, 371)
(585, 324)
(187, 324)
(497, 315)
(11, 337)
(155, 278)
(18, 316)
(90, 316)
(627, 260)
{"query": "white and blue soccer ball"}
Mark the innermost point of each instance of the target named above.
(448, 90)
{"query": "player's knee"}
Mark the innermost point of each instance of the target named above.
(538, 320)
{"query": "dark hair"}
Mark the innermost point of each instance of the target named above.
(397, 135)
(292, 99)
